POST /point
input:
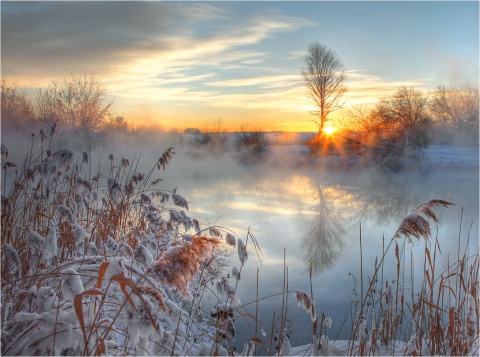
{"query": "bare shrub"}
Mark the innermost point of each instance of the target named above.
(250, 146)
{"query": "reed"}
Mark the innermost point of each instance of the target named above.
(107, 264)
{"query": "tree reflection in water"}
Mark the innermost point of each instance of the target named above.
(323, 242)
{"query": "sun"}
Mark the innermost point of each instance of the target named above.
(329, 130)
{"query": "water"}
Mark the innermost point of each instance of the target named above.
(303, 214)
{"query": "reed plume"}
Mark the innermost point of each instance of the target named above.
(179, 264)
(414, 224)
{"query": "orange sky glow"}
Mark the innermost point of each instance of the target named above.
(178, 65)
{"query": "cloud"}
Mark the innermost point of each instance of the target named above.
(264, 81)
(103, 37)
(366, 88)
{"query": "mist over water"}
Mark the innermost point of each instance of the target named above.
(302, 214)
(313, 214)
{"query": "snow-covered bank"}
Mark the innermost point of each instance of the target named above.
(439, 157)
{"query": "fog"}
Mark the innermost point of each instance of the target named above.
(307, 213)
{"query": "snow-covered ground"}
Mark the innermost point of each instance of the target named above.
(451, 157)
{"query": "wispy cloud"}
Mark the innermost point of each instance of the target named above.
(264, 81)
(365, 88)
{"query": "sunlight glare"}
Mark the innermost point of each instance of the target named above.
(329, 130)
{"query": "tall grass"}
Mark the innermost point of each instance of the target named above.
(109, 263)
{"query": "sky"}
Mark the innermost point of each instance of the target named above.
(190, 64)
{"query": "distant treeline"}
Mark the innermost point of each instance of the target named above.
(80, 104)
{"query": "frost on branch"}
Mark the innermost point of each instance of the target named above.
(179, 264)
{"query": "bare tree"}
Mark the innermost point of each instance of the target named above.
(17, 109)
(455, 107)
(324, 76)
(360, 118)
(407, 113)
(77, 102)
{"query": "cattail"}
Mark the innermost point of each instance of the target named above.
(179, 264)
(87, 186)
(30, 174)
(224, 287)
(414, 225)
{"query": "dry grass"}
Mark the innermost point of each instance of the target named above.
(78, 269)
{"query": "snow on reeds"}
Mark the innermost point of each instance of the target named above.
(98, 265)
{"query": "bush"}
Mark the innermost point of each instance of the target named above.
(250, 146)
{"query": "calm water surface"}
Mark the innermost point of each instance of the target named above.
(310, 215)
